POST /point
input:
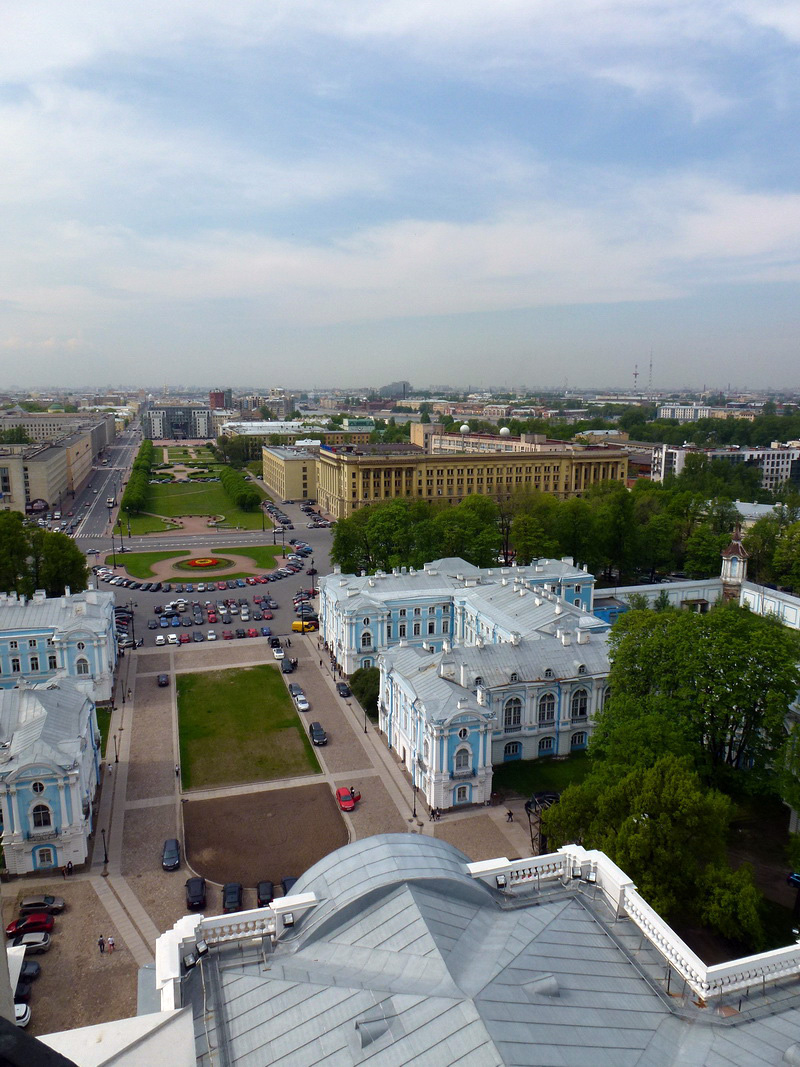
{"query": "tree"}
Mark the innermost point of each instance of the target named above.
(657, 822)
(530, 540)
(704, 551)
(786, 559)
(33, 559)
(728, 902)
(365, 685)
(729, 677)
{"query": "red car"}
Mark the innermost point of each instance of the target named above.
(37, 923)
(221, 585)
(267, 614)
(227, 635)
(212, 616)
(252, 632)
(261, 579)
(347, 800)
(183, 639)
(250, 581)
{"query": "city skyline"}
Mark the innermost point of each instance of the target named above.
(319, 192)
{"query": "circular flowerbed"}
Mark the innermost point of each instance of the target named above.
(203, 563)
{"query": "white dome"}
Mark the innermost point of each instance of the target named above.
(465, 427)
(504, 431)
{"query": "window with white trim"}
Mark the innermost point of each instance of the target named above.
(462, 794)
(82, 666)
(547, 709)
(416, 629)
(431, 626)
(42, 816)
(463, 759)
(35, 663)
(366, 639)
(512, 714)
(401, 630)
(52, 663)
(545, 746)
(580, 704)
(15, 668)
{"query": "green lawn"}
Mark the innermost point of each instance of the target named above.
(187, 498)
(104, 726)
(525, 777)
(145, 524)
(139, 564)
(240, 726)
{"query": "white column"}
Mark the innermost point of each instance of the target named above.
(64, 820)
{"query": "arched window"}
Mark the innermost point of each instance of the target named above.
(512, 714)
(513, 750)
(547, 709)
(580, 704)
(545, 746)
(463, 759)
(578, 740)
(462, 794)
(82, 666)
(366, 663)
(606, 695)
(366, 639)
(548, 672)
(581, 669)
(478, 681)
(514, 677)
(463, 733)
(41, 815)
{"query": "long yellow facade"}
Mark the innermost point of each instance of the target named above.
(347, 481)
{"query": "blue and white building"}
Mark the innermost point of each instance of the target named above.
(49, 768)
(43, 636)
(449, 600)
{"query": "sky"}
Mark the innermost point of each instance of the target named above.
(312, 193)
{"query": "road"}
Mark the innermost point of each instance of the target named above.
(89, 506)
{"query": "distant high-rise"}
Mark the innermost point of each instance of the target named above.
(393, 389)
(220, 398)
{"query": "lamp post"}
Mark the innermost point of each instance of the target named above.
(312, 576)
(365, 718)
(116, 746)
(105, 849)
(413, 788)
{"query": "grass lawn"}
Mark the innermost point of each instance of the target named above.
(209, 498)
(525, 777)
(240, 726)
(145, 524)
(139, 564)
(104, 726)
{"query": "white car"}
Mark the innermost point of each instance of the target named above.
(22, 1014)
(160, 639)
(211, 635)
(278, 653)
(302, 703)
(172, 639)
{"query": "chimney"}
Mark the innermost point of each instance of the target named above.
(558, 609)
(566, 638)
(515, 637)
(583, 637)
(481, 696)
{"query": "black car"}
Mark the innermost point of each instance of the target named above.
(197, 636)
(171, 855)
(265, 893)
(540, 801)
(343, 689)
(318, 735)
(274, 642)
(195, 892)
(29, 971)
(232, 896)
(241, 633)
(287, 884)
(152, 624)
(163, 681)
(22, 993)
(286, 666)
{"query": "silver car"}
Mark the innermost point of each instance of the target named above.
(45, 902)
(34, 943)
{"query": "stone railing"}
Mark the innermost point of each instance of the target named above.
(576, 864)
(217, 929)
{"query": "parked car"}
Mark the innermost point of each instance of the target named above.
(266, 631)
(232, 896)
(794, 880)
(287, 666)
(287, 884)
(172, 639)
(195, 892)
(152, 624)
(275, 642)
(171, 855)
(227, 635)
(38, 922)
(34, 943)
(302, 703)
(343, 689)
(163, 681)
(184, 639)
(295, 690)
(347, 799)
(29, 971)
(265, 894)
(160, 639)
(278, 653)
(304, 626)
(318, 735)
(211, 635)
(22, 994)
(44, 902)
(22, 1014)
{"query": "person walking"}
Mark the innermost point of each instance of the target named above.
(177, 770)
(69, 867)
(101, 944)
(110, 943)
(509, 815)
(63, 872)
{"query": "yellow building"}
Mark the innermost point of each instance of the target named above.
(31, 473)
(290, 473)
(347, 481)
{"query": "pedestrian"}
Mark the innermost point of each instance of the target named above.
(110, 944)
(288, 642)
(101, 944)
(177, 770)
(110, 768)
(320, 663)
(509, 815)
(63, 872)
(69, 867)
(432, 815)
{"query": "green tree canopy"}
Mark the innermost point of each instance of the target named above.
(32, 558)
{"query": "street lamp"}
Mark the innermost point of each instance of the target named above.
(312, 576)
(105, 849)
(116, 746)
(365, 718)
(413, 789)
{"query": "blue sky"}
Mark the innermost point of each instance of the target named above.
(306, 192)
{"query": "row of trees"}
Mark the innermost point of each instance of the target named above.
(410, 533)
(774, 546)
(32, 558)
(654, 527)
(137, 491)
(239, 490)
(697, 712)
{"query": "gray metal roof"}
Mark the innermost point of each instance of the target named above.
(43, 722)
(409, 960)
(89, 611)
